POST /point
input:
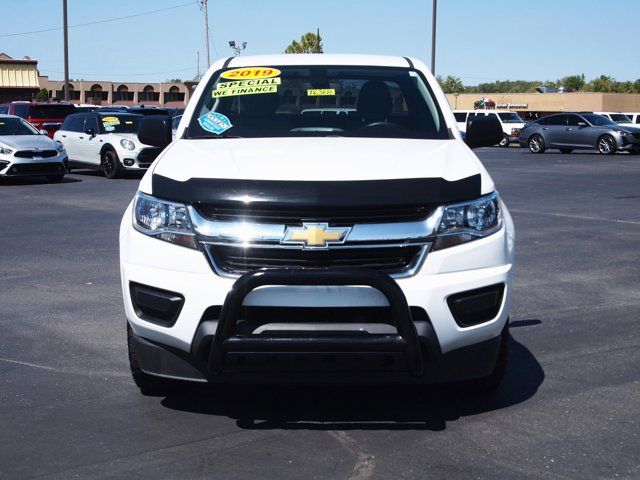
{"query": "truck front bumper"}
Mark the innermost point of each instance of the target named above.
(211, 333)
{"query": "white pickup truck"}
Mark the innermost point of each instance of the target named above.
(361, 241)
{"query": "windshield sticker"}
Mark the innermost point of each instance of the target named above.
(215, 122)
(250, 72)
(128, 122)
(249, 83)
(227, 92)
(110, 121)
(321, 92)
(109, 128)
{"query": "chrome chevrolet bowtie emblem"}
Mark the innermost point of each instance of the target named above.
(315, 235)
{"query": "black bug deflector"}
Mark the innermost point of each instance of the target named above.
(226, 341)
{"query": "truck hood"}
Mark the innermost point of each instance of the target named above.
(318, 159)
(27, 142)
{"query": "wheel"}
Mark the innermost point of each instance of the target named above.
(111, 166)
(55, 178)
(536, 144)
(492, 381)
(504, 142)
(607, 145)
(566, 150)
(149, 385)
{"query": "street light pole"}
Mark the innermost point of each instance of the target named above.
(65, 27)
(433, 37)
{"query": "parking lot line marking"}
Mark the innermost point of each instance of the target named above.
(62, 370)
(580, 217)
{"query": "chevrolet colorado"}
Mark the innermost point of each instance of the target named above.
(317, 218)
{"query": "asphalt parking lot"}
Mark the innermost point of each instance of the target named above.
(568, 407)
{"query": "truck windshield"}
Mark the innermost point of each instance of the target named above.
(510, 117)
(293, 101)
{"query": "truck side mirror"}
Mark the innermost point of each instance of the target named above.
(483, 131)
(155, 130)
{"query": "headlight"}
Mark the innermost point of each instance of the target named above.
(468, 221)
(59, 146)
(5, 151)
(127, 144)
(623, 133)
(163, 220)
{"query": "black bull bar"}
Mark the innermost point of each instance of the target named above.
(405, 341)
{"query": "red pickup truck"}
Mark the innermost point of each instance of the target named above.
(43, 116)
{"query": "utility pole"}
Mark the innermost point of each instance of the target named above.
(433, 37)
(203, 5)
(198, 65)
(66, 50)
(318, 41)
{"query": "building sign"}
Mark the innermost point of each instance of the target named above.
(513, 105)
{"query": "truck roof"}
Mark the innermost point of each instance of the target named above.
(319, 59)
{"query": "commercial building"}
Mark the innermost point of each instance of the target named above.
(18, 78)
(119, 93)
(533, 105)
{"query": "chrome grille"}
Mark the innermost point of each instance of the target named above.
(235, 245)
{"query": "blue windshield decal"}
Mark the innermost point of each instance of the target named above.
(215, 122)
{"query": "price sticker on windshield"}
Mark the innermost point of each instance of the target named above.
(321, 92)
(250, 72)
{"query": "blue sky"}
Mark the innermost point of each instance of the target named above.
(478, 40)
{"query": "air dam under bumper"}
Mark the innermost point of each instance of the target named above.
(409, 355)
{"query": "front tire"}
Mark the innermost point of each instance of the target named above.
(504, 142)
(110, 164)
(536, 144)
(607, 145)
(149, 385)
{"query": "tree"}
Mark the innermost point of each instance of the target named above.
(42, 95)
(603, 84)
(309, 43)
(174, 80)
(451, 84)
(573, 83)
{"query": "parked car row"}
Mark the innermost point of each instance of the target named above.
(49, 116)
(607, 132)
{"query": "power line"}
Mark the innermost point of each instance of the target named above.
(100, 21)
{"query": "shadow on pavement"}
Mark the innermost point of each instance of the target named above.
(21, 181)
(363, 408)
(96, 173)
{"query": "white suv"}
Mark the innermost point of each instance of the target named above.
(106, 141)
(265, 245)
(510, 121)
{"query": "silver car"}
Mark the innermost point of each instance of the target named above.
(585, 131)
